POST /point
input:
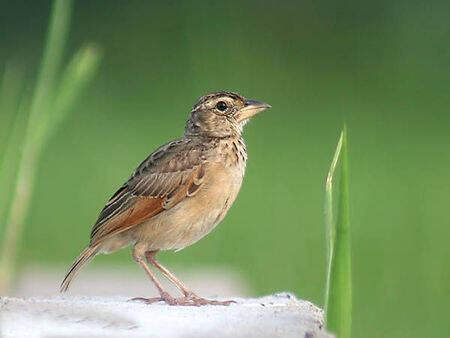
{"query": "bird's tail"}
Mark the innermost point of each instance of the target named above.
(80, 262)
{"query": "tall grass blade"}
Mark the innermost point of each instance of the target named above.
(9, 160)
(33, 139)
(12, 103)
(78, 73)
(338, 296)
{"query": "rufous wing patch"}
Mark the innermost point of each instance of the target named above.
(143, 209)
(154, 196)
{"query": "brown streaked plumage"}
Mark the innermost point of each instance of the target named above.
(179, 193)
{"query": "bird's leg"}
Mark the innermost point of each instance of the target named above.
(190, 298)
(164, 296)
(151, 258)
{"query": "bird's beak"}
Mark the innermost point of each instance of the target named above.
(250, 109)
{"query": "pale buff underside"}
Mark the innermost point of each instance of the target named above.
(188, 221)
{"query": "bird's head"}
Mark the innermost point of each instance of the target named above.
(222, 114)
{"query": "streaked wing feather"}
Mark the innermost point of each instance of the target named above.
(157, 185)
(142, 209)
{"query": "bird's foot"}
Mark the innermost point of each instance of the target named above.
(165, 297)
(195, 300)
(188, 300)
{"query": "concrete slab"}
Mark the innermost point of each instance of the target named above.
(279, 315)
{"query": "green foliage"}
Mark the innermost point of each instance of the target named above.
(338, 296)
(50, 103)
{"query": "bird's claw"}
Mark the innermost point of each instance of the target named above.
(187, 300)
(199, 301)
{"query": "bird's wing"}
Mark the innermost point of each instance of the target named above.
(172, 173)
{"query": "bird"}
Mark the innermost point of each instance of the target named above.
(178, 194)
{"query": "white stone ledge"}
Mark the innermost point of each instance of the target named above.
(280, 315)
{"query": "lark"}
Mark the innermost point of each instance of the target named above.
(178, 194)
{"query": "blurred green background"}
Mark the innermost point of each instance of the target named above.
(382, 67)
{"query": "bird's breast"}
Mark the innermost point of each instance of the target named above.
(196, 216)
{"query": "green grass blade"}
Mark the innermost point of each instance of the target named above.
(12, 108)
(78, 73)
(51, 63)
(8, 159)
(33, 139)
(338, 297)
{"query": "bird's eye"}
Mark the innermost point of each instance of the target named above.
(221, 106)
